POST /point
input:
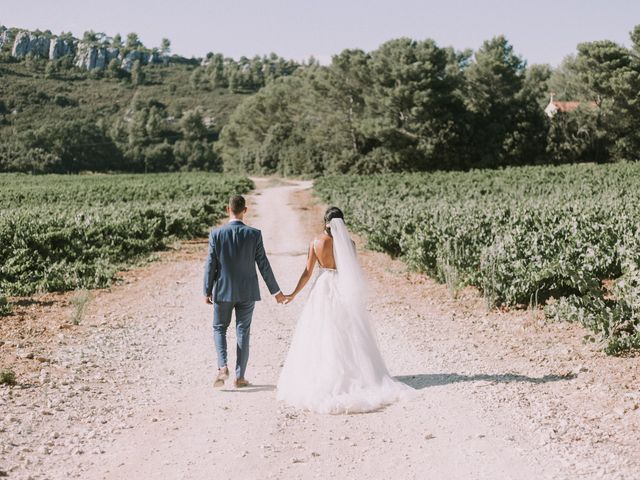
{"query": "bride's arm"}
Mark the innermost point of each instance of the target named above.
(306, 274)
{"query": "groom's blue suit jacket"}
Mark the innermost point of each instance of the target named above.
(234, 251)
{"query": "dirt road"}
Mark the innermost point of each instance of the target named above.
(129, 394)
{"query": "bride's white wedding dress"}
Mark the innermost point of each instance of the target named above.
(334, 364)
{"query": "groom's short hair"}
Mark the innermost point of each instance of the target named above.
(237, 204)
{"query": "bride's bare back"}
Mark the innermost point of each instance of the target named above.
(322, 246)
(320, 252)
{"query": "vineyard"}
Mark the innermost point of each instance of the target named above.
(65, 232)
(563, 238)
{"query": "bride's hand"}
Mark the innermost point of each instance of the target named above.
(288, 298)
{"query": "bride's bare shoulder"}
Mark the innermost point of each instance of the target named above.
(321, 241)
(322, 238)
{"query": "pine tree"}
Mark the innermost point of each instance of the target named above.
(137, 73)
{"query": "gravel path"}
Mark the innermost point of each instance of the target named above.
(128, 393)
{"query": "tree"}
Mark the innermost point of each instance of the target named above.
(113, 69)
(138, 76)
(72, 146)
(216, 70)
(51, 69)
(494, 81)
(196, 155)
(155, 123)
(608, 75)
(527, 142)
(133, 41)
(574, 137)
(243, 137)
(116, 42)
(158, 157)
(196, 78)
(90, 37)
(165, 46)
(413, 104)
(192, 125)
(337, 101)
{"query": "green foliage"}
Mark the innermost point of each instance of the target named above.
(604, 76)
(502, 96)
(7, 377)
(138, 76)
(254, 128)
(116, 42)
(408, 105)
(414, 106)
(196, 155)
(193, 125)
(72, 146)
(165, 46)
(68, 122)
(243, 75)
(79, 302)
(5, 307)
(133, 41)
(522, 235)
(63, 233)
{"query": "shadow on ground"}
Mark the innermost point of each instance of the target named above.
(27, 302)
(436, 379)
(251, 389)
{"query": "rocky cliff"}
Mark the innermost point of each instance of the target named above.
(91, 57)
(26, 42)
(59, 47)
(85, 55)
(5, 36)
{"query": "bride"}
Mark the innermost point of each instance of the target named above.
(334, 364)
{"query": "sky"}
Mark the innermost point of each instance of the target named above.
(541, 31)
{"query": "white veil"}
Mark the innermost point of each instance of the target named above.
(351, 279)
(335, 340)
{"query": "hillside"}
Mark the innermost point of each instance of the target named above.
(69, 105)
(73, 120)
(29, 97)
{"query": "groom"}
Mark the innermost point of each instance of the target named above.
(231, 283)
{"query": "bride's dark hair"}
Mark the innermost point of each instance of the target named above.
(330, 214)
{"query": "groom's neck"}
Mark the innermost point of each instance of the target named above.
(234, 217)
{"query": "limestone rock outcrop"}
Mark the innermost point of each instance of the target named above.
(27, 42)
(6, 37)
(88, 56)
(91, 57)
(59, 47)
(131, 57)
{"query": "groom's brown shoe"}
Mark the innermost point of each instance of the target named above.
(223, 374)
(241, 382)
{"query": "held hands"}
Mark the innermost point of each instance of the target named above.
(284, 299)
(280, 298)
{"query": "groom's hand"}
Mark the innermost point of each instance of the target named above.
(280, 297)
(208, 300)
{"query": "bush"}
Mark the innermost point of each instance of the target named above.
(7, 377)
(64, 233)
(522, 235)
(5, 307)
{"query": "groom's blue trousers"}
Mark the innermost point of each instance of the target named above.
(221, 319)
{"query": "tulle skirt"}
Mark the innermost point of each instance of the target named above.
(334, 364)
